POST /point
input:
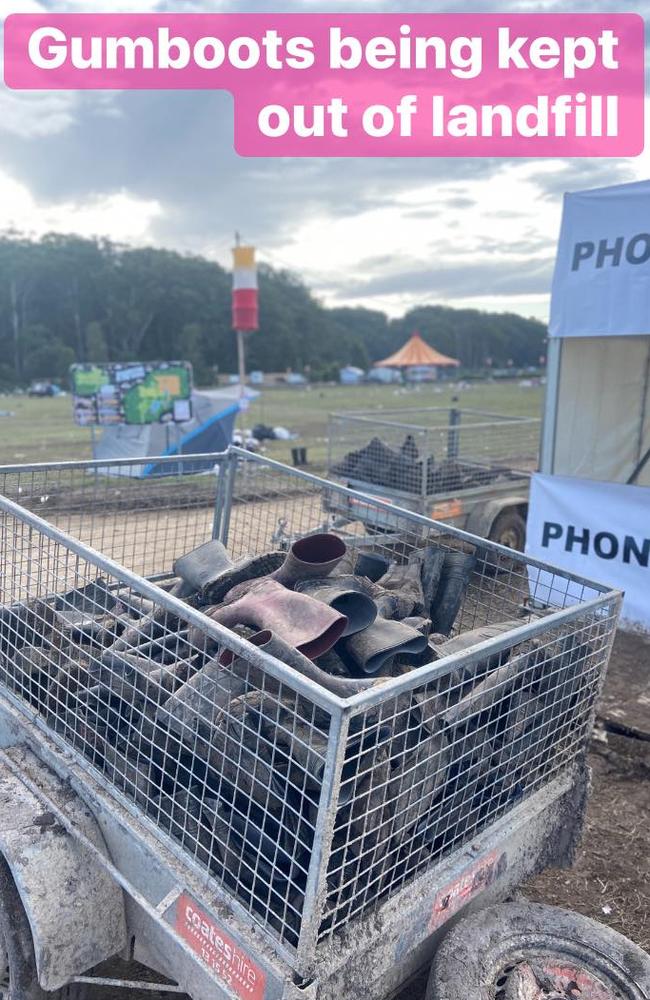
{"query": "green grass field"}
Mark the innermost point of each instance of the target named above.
(306, 410)
(42, 430)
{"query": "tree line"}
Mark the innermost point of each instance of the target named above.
(65, 299)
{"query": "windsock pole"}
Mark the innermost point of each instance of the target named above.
(245, 309)
(241, 359)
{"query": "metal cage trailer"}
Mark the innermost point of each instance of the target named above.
(468, 468)
(288, 838)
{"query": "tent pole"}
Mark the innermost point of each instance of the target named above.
(551, 402)
(644, 411)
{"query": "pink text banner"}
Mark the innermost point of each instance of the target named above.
(365, 84)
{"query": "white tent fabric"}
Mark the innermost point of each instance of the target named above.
(589, 505)
(601, 284)
(603, 411)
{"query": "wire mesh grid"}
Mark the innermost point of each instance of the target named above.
(436, 766)
(309, 811)
(115, 508)
(429, 451)
(221, 756)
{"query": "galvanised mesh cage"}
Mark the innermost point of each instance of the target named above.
(305, 790)
(430, 450)
(113, 506)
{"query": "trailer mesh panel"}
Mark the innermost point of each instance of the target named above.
(428, 451)
(308, 814)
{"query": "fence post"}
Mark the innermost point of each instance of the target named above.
(453, 436)
(219, 497)
(226, 498)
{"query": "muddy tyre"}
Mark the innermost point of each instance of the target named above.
(18, 976)
(509, 529)
(526, 951)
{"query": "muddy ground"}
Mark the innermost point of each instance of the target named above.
(610, 880)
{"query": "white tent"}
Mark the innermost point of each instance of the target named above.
(590, 503)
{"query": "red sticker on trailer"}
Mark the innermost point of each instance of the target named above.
(217, 949)
(474, 880)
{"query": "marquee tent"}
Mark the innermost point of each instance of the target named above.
(416, 353)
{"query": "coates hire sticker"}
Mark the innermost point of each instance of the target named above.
(473, 881)
(219, 952)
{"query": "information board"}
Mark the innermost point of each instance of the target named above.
(136, 393)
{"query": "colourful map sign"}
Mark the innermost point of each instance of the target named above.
(150, 392)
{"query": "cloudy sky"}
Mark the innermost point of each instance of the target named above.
(158, 168)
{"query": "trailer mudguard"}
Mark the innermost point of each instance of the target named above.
(74, 907)
(483, 516)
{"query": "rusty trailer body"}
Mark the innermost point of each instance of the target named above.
(301, 844)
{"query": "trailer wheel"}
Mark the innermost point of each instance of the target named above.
(18, 976)
(527, 951)
(509, 529)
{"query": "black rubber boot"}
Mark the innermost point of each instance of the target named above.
(432, 562)
(194, 707)
(371, 565)
(374, 461)
(248, 568)
(341, 684)
(347, 595)
(203, 565)
(405, 580)
(454, 580)
(373, 650)
(310, 557)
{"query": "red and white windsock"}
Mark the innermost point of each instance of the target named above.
(245, 310)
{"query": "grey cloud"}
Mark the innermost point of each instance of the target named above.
(453, 201)
(176, 148)
(459, 281)
(573, 175)
(36, 115)
(374, 263)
